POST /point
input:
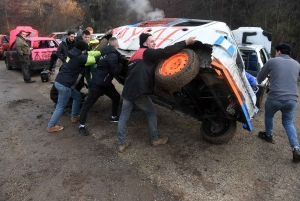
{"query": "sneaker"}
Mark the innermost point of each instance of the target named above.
(296, 155)
(263, 135)
(114, 119)
(159, 141)
(83, 131)
(54, 129)
(122, 148)
(75, 119)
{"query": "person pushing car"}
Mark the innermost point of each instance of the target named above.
(139, 85)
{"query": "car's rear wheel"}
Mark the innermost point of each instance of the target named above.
(175, 72)
(218, 130)
(8, 66)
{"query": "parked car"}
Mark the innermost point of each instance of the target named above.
(205, 81)
(4, 45)
(41, 50)
(58, 36)
(255, 53)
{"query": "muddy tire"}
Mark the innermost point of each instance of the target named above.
(8, 67)
(175, 72)
(221, 132)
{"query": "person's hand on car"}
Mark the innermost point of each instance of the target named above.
(190, 40)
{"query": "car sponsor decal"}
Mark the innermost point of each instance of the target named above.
(41, 54)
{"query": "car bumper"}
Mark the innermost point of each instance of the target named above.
(39, 65)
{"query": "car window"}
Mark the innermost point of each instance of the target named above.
(43, 44)
(250, 60)
(5, 40)
(263, 56)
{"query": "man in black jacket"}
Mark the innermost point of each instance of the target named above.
(62, 51)
(65, 46)
(139, 85)
(109, 65)
(66, 82)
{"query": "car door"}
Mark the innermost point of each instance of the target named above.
(14, 57)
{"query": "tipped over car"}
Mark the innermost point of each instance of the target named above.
(205, 81)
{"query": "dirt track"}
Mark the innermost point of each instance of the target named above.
(36, 165)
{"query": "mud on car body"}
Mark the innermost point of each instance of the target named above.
(205, 81)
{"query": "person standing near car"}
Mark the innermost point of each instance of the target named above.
(62, 51)
(65, 46)
(109, 65)
(23, 51)
(283, 95)
(66, 82)
(139, 85)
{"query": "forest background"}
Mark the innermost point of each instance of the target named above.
(281, 18)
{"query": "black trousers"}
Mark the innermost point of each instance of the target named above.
(25, 63)
(95, 91)
(53, 59)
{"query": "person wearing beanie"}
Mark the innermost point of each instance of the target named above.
(139, 85)
(67, 80)
(283, 72)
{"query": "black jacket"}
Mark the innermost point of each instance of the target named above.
(72, 71)
(62, 50)
(142, 64)
(109, 65)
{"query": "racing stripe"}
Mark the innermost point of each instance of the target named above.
(225, 44)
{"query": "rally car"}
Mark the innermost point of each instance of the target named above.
(206, 80)
(41, 50)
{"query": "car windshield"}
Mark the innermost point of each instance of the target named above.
(43, 44)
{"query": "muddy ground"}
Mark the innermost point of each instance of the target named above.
(36, 165)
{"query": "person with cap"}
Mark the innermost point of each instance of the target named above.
(283, 72)
(139, 85)
(23, 51)
(66, 82)
(108, 67)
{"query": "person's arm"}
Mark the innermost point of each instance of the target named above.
(91, 60)
(156, 54)
(114, 64)
(263, 73)
(59, 53)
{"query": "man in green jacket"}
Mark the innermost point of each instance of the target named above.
(23, 51)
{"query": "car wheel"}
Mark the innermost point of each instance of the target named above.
(175, 72)
(218, 130)
(8, 66)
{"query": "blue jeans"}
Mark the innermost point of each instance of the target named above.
(288, 109)
(144, 102)
(64, 95)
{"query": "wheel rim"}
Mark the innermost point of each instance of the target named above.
(221, 126)
(174, 64)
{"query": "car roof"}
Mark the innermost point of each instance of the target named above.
(170, 22)
(64, 32)
(250, 47)
(40, 38)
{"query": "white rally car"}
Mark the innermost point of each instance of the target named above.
(206, 80)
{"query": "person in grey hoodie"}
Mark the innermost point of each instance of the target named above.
(282, 96)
